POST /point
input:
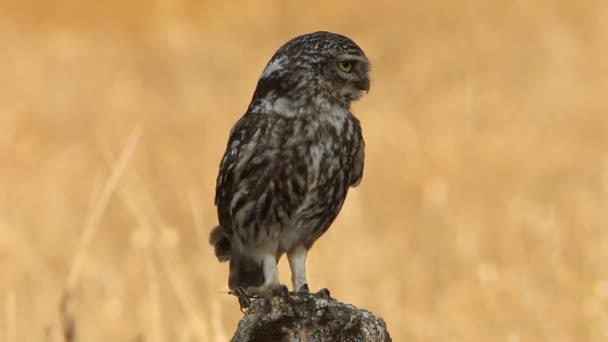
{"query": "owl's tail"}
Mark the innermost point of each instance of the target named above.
(245, 271)
(221, 243)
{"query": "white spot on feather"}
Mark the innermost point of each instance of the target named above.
(273, 66)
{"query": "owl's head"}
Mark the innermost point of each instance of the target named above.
(311, 73)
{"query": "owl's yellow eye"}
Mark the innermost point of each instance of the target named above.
(345, 66)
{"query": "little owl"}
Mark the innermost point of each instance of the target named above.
(290, 161)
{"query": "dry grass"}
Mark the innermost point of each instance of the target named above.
(483, 212)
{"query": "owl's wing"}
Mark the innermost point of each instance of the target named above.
(259, 182)
(241, 135)
(358, 157)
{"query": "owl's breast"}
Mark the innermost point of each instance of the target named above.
(322, 163)
(290, 179)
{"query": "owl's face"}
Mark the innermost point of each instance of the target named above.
(312, 73)
(348, 76)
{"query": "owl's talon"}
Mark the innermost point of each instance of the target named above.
(324, 293)
(280, 291)
(304, 289)
(267, 304)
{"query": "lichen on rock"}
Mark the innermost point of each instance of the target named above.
(309, 318)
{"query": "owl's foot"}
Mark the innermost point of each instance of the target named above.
(324, 293)
(266, 292)
(272, 290)
(303, 290)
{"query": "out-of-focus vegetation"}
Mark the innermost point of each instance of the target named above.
(482, 216)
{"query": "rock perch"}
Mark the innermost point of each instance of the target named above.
(309, 318)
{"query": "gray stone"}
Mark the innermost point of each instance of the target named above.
(308, 318)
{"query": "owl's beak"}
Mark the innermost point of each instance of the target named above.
(363, 84)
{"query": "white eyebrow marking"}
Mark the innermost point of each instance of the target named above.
(273, 66)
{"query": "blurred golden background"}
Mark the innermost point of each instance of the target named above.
(483, 211)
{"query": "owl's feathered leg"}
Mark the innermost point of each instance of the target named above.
(297, 263)
(272, 286)
(271, 272)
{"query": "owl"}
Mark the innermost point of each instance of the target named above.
(290, 161)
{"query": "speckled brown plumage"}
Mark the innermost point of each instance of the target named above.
(290, 159)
